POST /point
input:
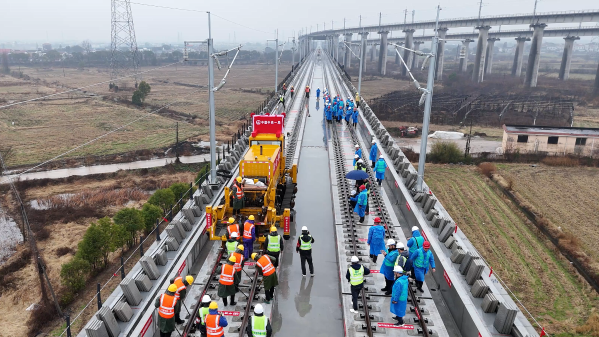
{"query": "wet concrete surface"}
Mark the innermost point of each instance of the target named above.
(311, 306)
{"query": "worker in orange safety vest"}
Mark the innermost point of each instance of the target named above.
(166, 311)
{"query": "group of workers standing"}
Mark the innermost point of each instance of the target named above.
(397, 264)
(359, 199)
(336, 110)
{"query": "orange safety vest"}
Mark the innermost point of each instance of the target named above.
(226, 275)
(239, 194)
(180, 286)
(239, 259)
(167, 306)
(247, 230)
(212, 326)
(234, 228)
(266, 265)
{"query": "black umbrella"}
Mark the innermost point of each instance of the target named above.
(357, 175)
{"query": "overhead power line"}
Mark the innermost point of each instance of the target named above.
(84, 87)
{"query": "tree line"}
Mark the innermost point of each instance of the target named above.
(119, 233)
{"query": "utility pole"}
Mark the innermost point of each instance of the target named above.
(211, 101)
(177, 143)
(427, 105)
(362, 56)
(380, 18)
(405, 16)
(413, 13)
(360, 21)
(534, 12)
(277, 62)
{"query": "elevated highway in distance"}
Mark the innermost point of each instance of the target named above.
(340, 50)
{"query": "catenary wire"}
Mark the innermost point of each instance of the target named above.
(151, 113)
(85, 87)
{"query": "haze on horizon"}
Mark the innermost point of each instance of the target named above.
(67, 21)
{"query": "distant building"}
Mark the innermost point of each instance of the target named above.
(8, 51)
(46, 47)
(551, 140)
(203, 48)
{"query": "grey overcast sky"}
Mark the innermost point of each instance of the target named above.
(61, 21)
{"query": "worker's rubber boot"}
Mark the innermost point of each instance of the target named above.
(233, 300)
(225, 301)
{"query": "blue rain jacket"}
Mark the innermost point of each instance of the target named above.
(415, 242)
(421, 262)
(361, 204)
(355, 116)
(376, 239)
(373, 152)
(389, 263)
(380, 168)
(358, 152)
(317, 92)
(399, 295)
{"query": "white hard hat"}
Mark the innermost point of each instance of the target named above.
(400, 245)
(304, 228)
(356, 156)
(357, 146)
(397, 269)
(353, 192)
(234, 235)
(373, 141)
(206, 299)
(390, 242)
(259, 310)
(414, 228)
(354, 259)
(360, 161)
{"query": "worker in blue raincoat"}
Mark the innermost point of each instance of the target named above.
(356, 158)
(340, 110)
(328, 113)
(414, 243)
(376, 239)
(361, 204)
(423, 257)
(399, 296)
(348, 114)
(388, 263)
(373, 152)
(379, 169)
(317, 93)
(358, 150)
(354, 117)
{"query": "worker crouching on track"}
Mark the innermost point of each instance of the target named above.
(268, 271)
(388, 264)
(215, 323)
(238, 196)
(227, 280)
(259, 325)
(376, 239)
(181, 284)
(249, 236)
(304, 248)
(399, 298)
(274, 245)
(422, 259)
(355, 275)
(200, 321)
(166, 311)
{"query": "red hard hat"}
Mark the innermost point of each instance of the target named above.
(377, 219)
(362, 187)
(426, 244)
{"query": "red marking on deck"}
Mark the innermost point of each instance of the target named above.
(182, 267)
(393, 326)
(374, 271)
(146, 327)
(363, 240)
(447, 279)
(408, 206)
(229, 313)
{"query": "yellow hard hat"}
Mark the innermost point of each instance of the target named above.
(273, 229)
(240, 247)
(251, 217)
(254, 256)
(232, 259)
(172, 288)
(238, 179)
(231, 220)
(213, 305)
(189, 279)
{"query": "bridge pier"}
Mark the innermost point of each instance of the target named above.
(534, 58)
(518, 56)
(481, 49)
(383, 53)
(564, 70)
(408, 56)
(347, 57)
(440, 54)
(415, 59)
(464, 61)
(490, 49)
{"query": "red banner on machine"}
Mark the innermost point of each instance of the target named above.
(286, 229)
(268, 124)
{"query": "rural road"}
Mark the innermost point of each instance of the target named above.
(477, 144)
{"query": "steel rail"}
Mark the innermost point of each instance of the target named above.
(341, 180)
(383, 214)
